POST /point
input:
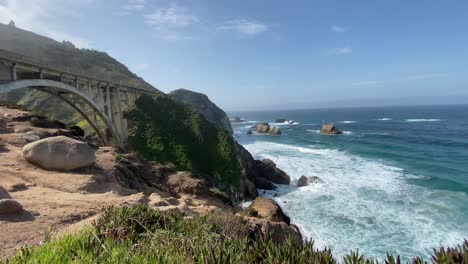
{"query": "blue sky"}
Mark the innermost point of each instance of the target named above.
(266, 54)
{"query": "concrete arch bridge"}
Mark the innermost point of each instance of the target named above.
(106, 98)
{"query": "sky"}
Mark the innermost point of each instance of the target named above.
(272, 54)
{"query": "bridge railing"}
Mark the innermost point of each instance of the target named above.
(24, 62)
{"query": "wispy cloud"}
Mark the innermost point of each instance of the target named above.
(36, 17)
(339, 29)
(170, 18)
(244, 26)
(340, 51)
(403, 79)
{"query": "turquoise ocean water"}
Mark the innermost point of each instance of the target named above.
(396, 181)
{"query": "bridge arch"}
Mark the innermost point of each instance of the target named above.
(59, 89)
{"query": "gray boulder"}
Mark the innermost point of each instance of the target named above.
(9, 206)
(202, 104)
(330, 129)
(59, 153)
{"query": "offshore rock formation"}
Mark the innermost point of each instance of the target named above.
(330, 129)
(266, 128)
(202, 104)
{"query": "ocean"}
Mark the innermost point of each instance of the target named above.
(395, 181)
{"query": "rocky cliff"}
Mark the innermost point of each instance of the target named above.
(202, 104)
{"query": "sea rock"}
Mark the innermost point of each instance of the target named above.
(330, 129)
(304, 181)
(59, 153)
(9, 206)
(280, 120)
(249, 132)
(267, 169)
(262, 127)
(269, 209)
(274, 131)
(236, 119)
(202, 104)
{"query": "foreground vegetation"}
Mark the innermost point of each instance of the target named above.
(167, 131)
(142, 235)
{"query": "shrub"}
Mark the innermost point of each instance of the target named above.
(142, 235)
(171, 132)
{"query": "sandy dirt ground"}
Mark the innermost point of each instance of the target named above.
(57, 201)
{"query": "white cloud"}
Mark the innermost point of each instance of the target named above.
(36, 16)
(339, 29)
(170, 18)
(244, 26)
(340, 51)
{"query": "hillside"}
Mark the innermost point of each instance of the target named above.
(65, 55)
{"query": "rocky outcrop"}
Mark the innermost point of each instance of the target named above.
(267, 169)
(185, 182)
(59, 153)
(280, 120)
(266, 217)
(330, 129)
(266, 128)
(262, 173)
(202, 104)
(269, 209)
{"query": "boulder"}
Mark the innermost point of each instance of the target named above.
(304, 181)
(4, 193)
(267, 169)
(330, 129)
(269, 209)
(279, 231)
(59, 153)
(9, 206)
(30, 137)
(274, 131)
(262, 127)
(249, 132)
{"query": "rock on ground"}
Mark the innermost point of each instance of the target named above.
(59, 153)
(9, 206)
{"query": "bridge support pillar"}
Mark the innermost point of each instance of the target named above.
(13, 75)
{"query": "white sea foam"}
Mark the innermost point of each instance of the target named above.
(384, 119)
(423, 120)
(348, 122)
(363, 203)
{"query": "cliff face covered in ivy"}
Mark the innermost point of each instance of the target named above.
(167, 131)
